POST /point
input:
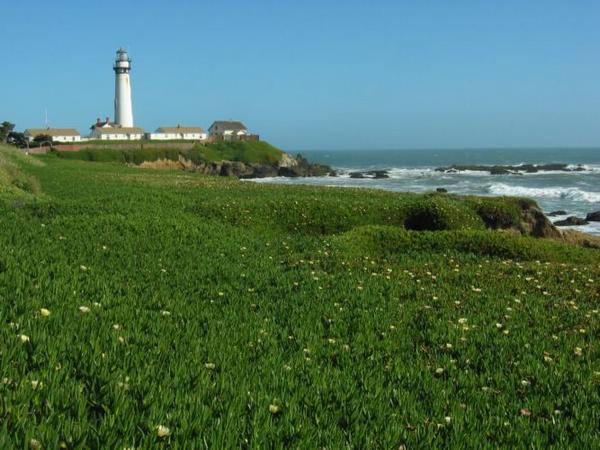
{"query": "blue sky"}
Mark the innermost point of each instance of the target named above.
(316, 74)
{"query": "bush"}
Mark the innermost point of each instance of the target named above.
(440, 213)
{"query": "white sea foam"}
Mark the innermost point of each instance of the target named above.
(570, 193)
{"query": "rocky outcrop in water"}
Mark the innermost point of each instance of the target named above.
(571, 221)
(593, 216)
(511, 170)
(560, 212)
(376, 174)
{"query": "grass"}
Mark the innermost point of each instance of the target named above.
(244, 151)
(260, 316)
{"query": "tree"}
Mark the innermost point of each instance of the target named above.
(42, 139)
(5, 129)
(18, 139)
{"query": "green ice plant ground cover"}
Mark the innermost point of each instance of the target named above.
(151, 309)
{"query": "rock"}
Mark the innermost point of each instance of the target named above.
(378, 173)
(560, 212)
(535, 223)
(288, 160)
(571, 221)
(593, 216)
(357, 175)
(441, 190)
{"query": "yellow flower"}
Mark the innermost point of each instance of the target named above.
(210, 366)
(578, 351)
(162, 431)
(24, 338)
(35, 444)
(274, 409)
(44, 312)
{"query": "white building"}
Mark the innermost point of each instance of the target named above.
(178, 132)
(228, 130)
(123, 104)
(110, 133)
(64, 135)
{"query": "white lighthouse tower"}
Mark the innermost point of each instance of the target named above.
(123, 106)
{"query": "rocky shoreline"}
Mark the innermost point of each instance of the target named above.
(288, 166)
(511, 170)
(574, 220)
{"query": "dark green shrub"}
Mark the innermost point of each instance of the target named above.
(434, 213)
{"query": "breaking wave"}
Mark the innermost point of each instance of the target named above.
(570, 193)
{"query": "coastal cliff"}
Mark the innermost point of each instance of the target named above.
(232, 159)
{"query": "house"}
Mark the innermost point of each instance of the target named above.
(110, 131)
(57, 134)
(228, 130)
(178, 132)
(117, 133)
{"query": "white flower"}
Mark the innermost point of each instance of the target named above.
(84, 309)
(165, 313)
(35, 444)
(24, 338)
(448, 419)
(210, 366)
(462, 320)
(82, 267)
(439, 371)
(44, 312)
(274, 409)
(162, 431)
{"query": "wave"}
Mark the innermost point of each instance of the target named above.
(571, 193)
(431, 172)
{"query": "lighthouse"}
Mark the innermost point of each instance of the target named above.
(123, 106)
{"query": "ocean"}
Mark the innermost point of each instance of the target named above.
(577, 193)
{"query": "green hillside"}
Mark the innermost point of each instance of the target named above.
(167, 309)
(258, 152)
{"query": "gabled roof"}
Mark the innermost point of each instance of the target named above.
(52, 132)
(228, 125)
(103, 125)
(119, 130)
(179, 129)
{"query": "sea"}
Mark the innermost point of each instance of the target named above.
(576, 192)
